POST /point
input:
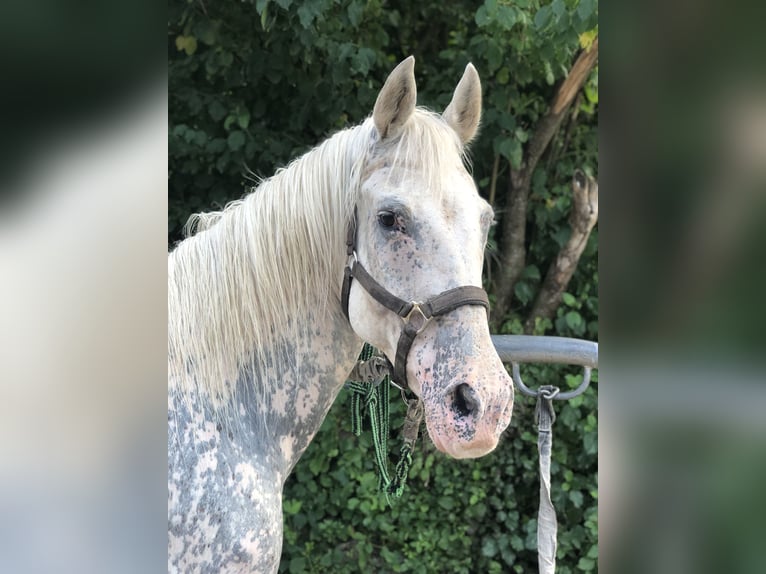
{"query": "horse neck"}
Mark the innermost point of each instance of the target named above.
(297, 388)
(280, 399)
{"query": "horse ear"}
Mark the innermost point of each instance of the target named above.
(464, 111)
(396, 101)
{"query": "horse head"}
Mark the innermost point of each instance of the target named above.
(420, 232)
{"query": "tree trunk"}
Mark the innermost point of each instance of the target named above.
(512, 246)
(582, 218)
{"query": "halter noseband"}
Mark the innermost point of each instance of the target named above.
(415, 315)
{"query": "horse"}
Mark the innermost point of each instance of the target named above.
(376, 235)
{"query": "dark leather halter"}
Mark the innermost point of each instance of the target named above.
(415, 315)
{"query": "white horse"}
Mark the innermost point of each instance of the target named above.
(264, 326)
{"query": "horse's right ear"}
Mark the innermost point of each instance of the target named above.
(464, 111)
(396, 101)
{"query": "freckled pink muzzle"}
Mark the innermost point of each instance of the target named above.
(466, 392)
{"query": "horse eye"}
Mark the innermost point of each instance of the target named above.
(387, 218)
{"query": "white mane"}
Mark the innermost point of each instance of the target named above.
(239, 287)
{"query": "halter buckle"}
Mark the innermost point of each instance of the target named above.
(417, 318)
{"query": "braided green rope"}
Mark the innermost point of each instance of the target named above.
(409, 438)
(396, 486)
(372, 401)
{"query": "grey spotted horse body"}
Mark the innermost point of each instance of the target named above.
(260, 338)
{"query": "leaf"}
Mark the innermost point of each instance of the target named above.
(200, 138)
(569, 300)
(264, 17)
(510, 149)
(222, 162)
(585, 9)
(187, 44)
(482, 17)
(298, 564)
(543, 17)
(489, 548)
(587, 38)
(236, 140)
(506, 120)
(590, 443)
(506, 17)
(243, 118)
(558, 7)
(591, 93)
(216, 146)
(355, 13)
(549, 77)
(217, 110)
(494, 55)
(573, 319)
(292, 506)
(305, 15)
(517, 543)
(207, 32)
(531, 272)
(363, 60)
(503, 146)
(523, 292)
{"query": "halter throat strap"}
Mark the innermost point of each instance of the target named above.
(416, 315)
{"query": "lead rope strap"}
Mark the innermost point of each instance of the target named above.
(546, 515)
(409, 438)
(369, 383)
(369, 386)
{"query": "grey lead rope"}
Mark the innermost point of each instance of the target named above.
(546, 515)
(545, 415)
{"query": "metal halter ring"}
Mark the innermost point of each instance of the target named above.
(516, 374)
(424, 320)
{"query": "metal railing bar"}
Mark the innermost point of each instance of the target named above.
(540, 349)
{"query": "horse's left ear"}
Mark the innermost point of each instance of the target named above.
(464, 111)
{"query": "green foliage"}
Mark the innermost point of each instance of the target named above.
(254, 84)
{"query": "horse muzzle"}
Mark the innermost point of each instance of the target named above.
(466, 392)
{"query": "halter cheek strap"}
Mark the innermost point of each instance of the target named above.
(415, 315)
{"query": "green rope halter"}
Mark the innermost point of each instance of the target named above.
(370, 399)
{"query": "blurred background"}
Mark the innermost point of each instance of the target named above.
(681, 434)
(110, 140)
(83, 204)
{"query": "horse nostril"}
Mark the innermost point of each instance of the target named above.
(465, 400)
